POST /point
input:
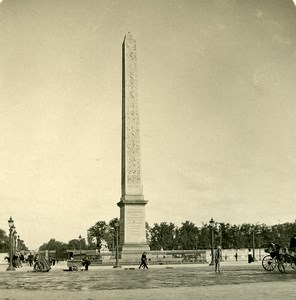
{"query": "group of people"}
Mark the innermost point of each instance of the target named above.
(17, 260)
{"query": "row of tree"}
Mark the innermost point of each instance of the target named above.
(168, 236)
(4, 242)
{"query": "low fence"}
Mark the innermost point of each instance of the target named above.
(242, 254)
(184, 256)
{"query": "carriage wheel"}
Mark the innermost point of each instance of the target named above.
(74, 268)
(293, 264)
(39, 266)
(281, 263)
(281, 266)
(268, 263)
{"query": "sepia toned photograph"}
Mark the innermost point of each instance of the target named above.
(147, 149)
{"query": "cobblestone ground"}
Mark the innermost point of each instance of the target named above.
(236, 280)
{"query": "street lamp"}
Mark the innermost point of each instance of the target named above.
(18, 243)
(14, 241)
(117, 252)
(80, 237)
(220, 234)
(174, 241)
(212, 223)
(11, 228)
(253, 241)
(196, 238)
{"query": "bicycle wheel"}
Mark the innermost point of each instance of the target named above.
(268, 263)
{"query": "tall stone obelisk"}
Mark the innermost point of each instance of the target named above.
(132, 203)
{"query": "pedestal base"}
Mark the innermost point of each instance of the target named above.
(133, 251)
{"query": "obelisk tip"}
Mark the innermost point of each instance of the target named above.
(129, 36)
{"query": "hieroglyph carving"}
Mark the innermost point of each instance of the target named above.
(132, 131)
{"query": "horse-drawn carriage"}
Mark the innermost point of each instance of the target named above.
(278, 257)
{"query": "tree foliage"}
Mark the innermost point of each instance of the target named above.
(4, 242)
(97, 233)
(188, 236)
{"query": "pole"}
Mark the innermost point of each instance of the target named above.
(10, 267)
(117, 250)
(113, 246)
(14, 243)
(117, 254)
(212, 262)
(80, 237)
(254, 244)
(212, 250)
(18, 243)
(212, 223)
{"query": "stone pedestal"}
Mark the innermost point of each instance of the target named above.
(132, 228)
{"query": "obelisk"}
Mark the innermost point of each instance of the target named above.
(132, 203)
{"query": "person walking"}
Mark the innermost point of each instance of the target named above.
(250, 256)
(143, 261)
(30, 259)
(218, 258)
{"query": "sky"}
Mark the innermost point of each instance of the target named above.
(216, 87)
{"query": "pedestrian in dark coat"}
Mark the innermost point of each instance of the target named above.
(143, 261)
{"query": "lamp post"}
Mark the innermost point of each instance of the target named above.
(212, 223)
(14, 241)
(196, 238)
(253, 241)
(117, 252)
(18, 243)
(11, 228)
(174, 241)
(80, 237)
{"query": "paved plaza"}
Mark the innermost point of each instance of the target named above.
(236, 280)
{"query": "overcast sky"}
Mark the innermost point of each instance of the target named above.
(216, 85)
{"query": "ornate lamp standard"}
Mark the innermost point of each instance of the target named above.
(11, 228)
(253, 241)
(80, 238)
(117, 250)
(212, 223)
(196, 239)
(18, 243)
(14, 241)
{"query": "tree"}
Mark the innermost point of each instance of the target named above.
(77, 244)
(99, 232)
(4, 241)
(188, 236)
(162, 236)
(204, 238)
(111, 233)
(59, 247)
